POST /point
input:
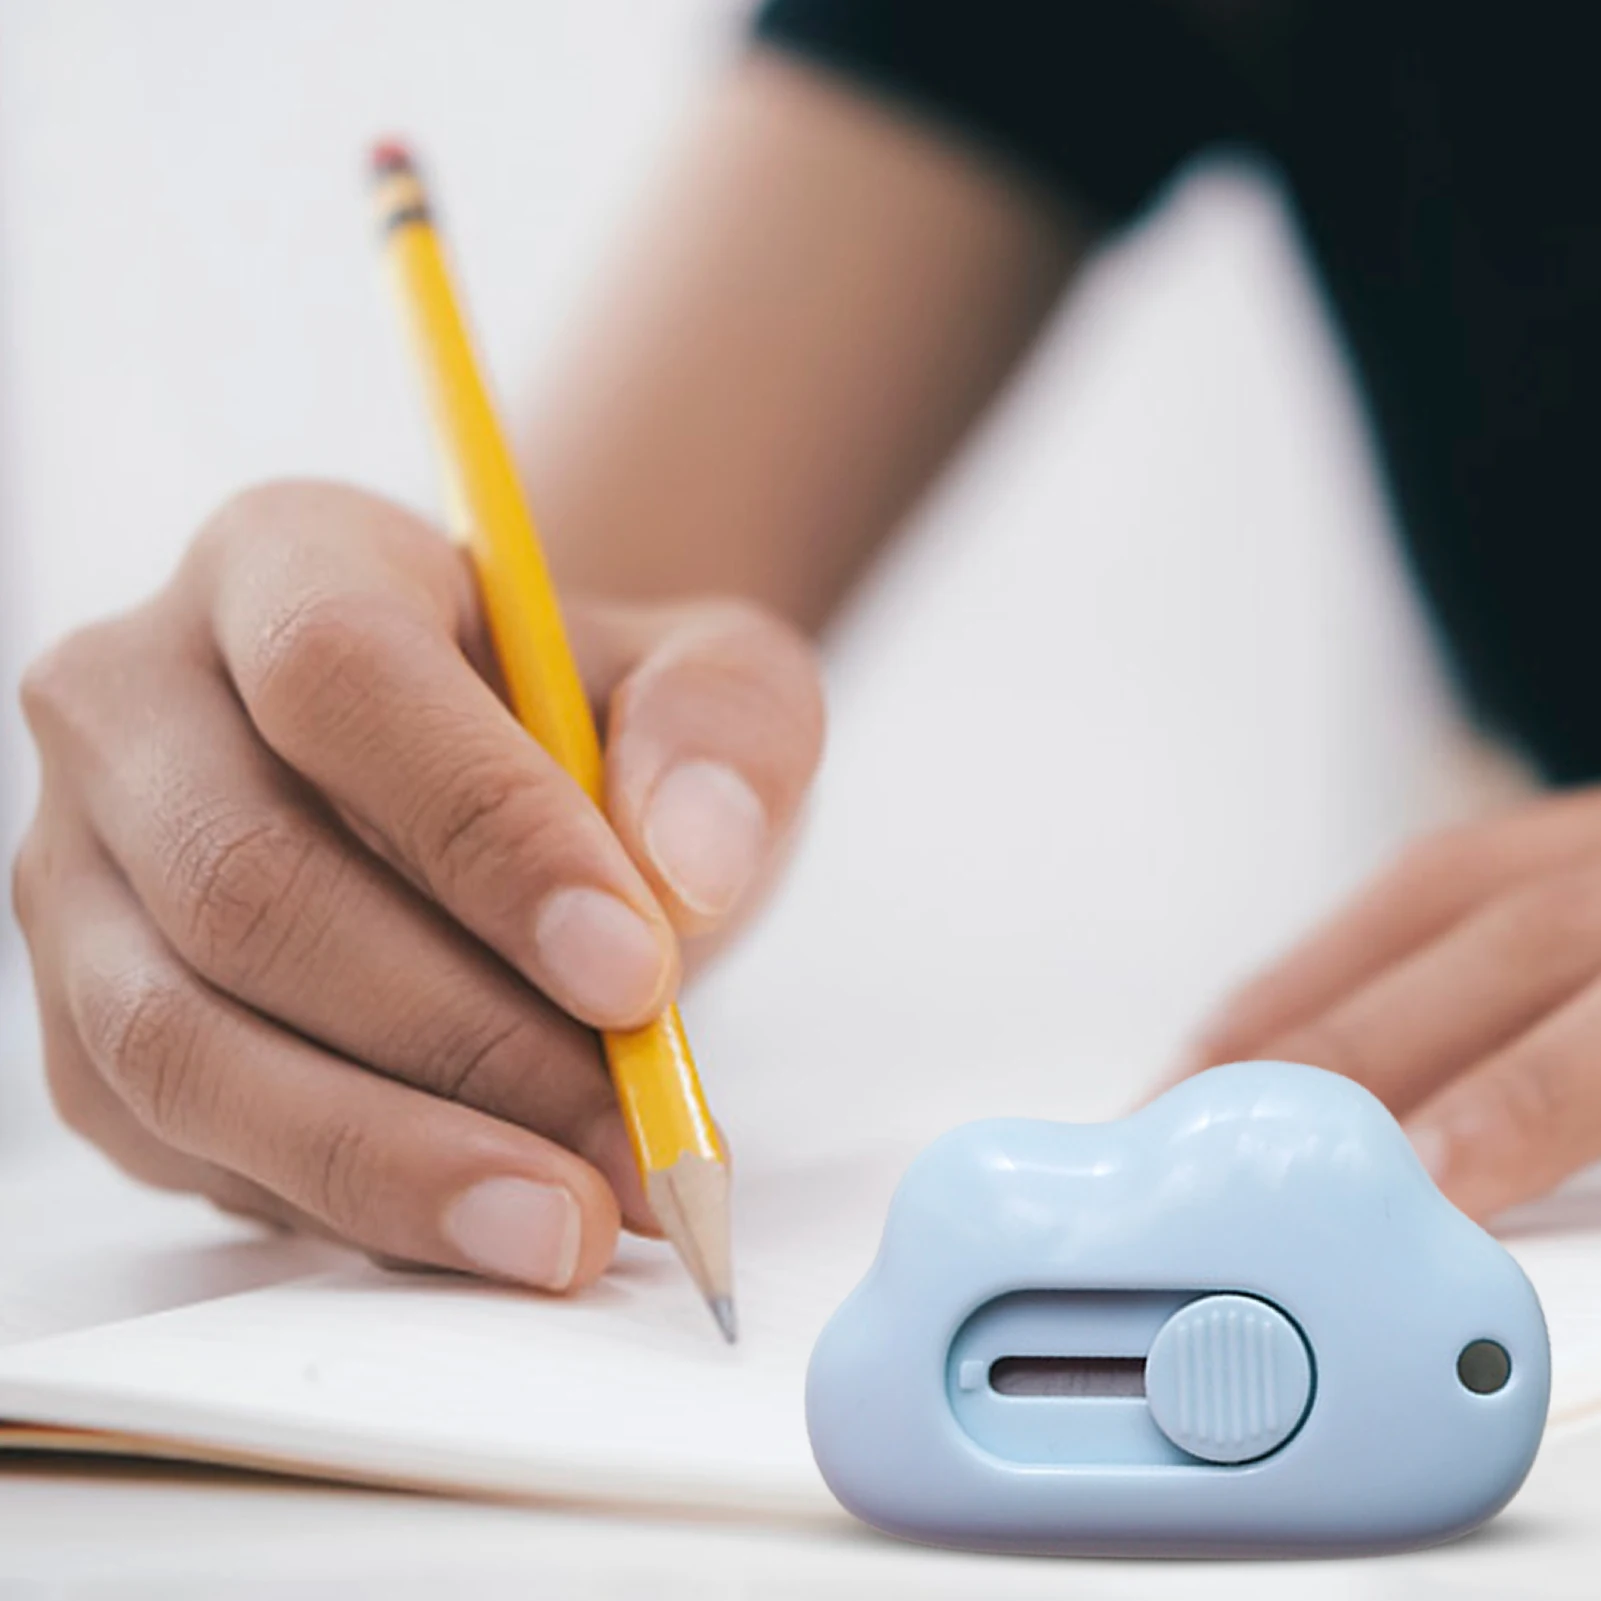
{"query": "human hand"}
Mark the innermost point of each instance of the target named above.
(1463, 987)
(318, 931)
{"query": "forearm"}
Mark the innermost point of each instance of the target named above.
(825, 297)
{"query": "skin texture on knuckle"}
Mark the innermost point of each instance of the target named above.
(294, 568)
(479, 1036)
(495, 826)
(86, 1104)
(546, 1078)
(471, 820)
(143, 1029)
(338, 1177)
(245, 879)
(471, 1066)
(313, 668)
(444, 1033)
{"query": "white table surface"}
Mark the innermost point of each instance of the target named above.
(138, 1533)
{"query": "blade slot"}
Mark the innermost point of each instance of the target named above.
(1077, 1377)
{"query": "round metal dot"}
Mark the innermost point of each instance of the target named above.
(1483, 1367)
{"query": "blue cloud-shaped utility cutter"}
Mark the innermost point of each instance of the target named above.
(1240, 1321)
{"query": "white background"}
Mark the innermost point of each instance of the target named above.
(1204, 701)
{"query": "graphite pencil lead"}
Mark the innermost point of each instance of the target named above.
(723, 1310)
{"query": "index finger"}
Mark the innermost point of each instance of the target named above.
(341, 621)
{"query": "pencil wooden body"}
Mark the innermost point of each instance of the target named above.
(676, 1143)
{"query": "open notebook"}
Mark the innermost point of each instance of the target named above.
(623, 1397)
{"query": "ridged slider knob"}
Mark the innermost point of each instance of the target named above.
(1228, 1378)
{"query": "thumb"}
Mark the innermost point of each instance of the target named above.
(714, 727)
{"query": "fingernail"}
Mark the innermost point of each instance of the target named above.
(1432, 1149)
(705, 830)
(602, 957)
(513, 1228)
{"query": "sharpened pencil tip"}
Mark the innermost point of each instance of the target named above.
(690, 1200)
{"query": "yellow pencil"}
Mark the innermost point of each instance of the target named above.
(680, 1155)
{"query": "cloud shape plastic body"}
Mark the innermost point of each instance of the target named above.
(1284, 1185)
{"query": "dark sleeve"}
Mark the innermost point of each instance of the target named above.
(1102, 99)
